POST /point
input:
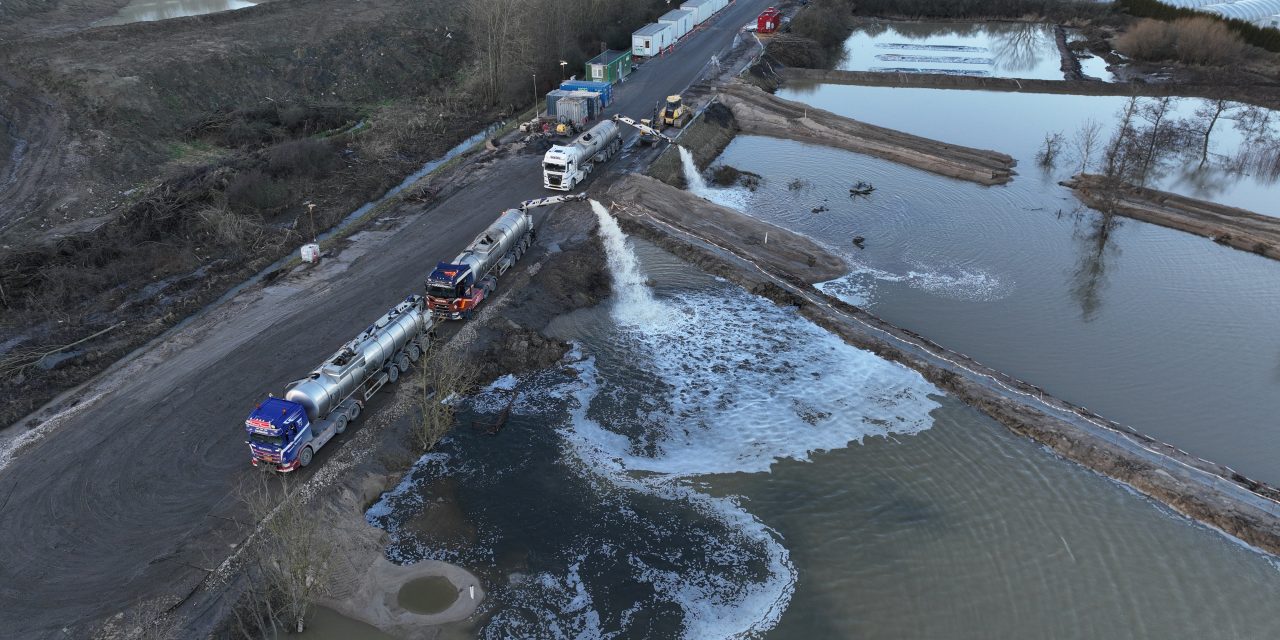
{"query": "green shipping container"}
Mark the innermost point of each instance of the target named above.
(610, 66)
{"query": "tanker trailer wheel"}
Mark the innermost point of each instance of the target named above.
(402, 362)
(340, 423)
(353, 412)
(393, 373)
(414, 352)
(304, 458)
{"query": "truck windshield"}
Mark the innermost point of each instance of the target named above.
(266, 440)
(441, 291)
(551, 166)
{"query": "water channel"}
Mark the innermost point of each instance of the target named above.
(707, 464)
(152, 10)
(1159, 329)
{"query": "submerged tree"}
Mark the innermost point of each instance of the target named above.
(1085, 142)
(1047, 156)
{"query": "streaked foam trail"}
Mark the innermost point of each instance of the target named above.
(732, 198)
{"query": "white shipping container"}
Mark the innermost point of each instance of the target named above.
(681, 22)
(701, 9)
(651, 39)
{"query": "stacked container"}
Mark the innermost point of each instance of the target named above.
(603, 88)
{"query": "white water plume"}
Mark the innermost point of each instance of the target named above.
(634, 303)
(732, 198)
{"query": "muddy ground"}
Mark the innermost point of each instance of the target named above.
(1233, 227)
(162, 163)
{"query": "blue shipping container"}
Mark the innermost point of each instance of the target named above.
(603, 88)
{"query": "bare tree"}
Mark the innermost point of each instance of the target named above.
(446, 376)
(1206, 117)
(1118, 154)
(1159, 136)
(1085, 142)
(292, 557)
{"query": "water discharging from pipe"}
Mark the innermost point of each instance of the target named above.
(731, 198)
(634, 302)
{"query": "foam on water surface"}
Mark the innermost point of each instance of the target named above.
(723, 382)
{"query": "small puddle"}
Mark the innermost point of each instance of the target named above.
(152, 10)
(431, 594)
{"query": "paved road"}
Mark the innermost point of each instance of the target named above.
(132, 497)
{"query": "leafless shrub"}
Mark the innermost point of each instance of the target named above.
(1201, 41)
(1085, 142)
(254, 191)
(305, 157)
(1207, 42)
(1147, 40)
(230, 229)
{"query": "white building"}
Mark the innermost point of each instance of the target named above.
(681, 22)
(651, 39)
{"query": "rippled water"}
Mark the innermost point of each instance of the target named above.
(1158, 329)
(996, 49)
(731, 470)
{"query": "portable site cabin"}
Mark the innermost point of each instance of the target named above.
(651, 39)
(720, 4)
(681, 22)
(610, 66)
(701, 9)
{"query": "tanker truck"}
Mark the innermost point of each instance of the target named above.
(286, 432)
(455, 289)
(565, 166)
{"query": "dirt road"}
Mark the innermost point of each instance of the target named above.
(128, 498)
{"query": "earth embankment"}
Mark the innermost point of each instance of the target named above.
(1244, 230)
(1265, 95)
(760, 113)
(667, 206)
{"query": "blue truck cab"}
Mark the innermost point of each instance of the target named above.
(278, 430)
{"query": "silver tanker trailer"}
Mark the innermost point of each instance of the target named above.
(286, 432)
(455, 289)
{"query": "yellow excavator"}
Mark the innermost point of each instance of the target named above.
(675, 114)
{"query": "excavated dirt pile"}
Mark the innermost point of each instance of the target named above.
(1233, 227)
(760, 113)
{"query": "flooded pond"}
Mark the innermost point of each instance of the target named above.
(1162, 330)
(1017, 123)
(710, 465)
(995, 49)
(152, 10)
